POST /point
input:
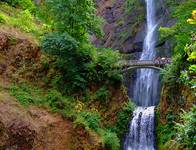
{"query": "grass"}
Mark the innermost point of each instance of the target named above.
(69, 107)
(22, 20)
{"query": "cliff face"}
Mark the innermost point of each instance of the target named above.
(174, 100)
(123, 26)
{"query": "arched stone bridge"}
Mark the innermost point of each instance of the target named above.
(127, 65)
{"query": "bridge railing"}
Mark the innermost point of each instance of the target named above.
(126, 63)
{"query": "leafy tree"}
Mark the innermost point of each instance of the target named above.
(79, 62)
(70, 59)
(76, 17)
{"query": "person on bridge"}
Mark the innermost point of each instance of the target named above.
(157, 60)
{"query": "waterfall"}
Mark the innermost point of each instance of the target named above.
(146, 92)
(141, 135)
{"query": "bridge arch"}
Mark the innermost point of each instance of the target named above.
(141, 67)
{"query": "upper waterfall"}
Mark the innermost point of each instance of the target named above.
(147, 82)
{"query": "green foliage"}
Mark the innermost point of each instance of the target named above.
(104, 67)
(188, 75)
(124, 116)
(111, 139)
(25, 22)
(80, 63)
(165, 132)
(130, 5)
(181, 31)
(183, 47)
(21, 19)
(24, 4)
(24, 94)
(102, 94)
(89, 119)
(193, 19)
(77, 17)
(186, 129)
(30, 95)
(166, 33)
(171, 73)
(55, 100)
(69, 59)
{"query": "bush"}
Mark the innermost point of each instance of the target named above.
(24, 4)
(102, 94)
(59, 103)
(70, 60)
(171, 73)
(55, 100)
(104, 67)
(110, 139)
(26, 22)
(80, 63)
(122, 125)
(186, 129)
(89, 119)
(27, 95)
(22, 19)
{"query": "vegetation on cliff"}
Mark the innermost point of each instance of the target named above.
(179, 81)
(69, 75)
(47, 60)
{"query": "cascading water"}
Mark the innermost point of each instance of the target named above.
(141, 134)
(146, 95)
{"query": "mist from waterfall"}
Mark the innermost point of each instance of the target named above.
(146, 92)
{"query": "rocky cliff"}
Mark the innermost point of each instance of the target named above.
(36, 126)
(124, 27)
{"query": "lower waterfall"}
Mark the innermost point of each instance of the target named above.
(141, 135)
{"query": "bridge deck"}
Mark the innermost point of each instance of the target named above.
(132, 63)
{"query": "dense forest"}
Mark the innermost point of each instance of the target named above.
(61, 81)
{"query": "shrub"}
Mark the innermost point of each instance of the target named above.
(102, 94)
(24, 4)
(89, 119)
(122, 125)
(26, 22)
(80, 63)
(171, 72)
(27, 95)
(186, 129)
(104, 67)
(2, 18)
(22, 19)
(110, 139)
(55, 99)
(70, 60)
